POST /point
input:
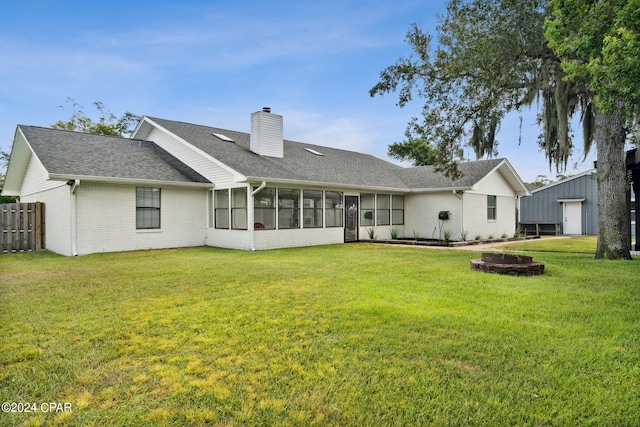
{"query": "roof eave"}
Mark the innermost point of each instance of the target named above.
(439, 189)
(131, 181)
(324, 184)
(562, 181)
(516, 183)
(18, 164)
(524, 191)
(138, 127)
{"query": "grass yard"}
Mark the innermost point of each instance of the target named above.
(578, 244)
(345, 335)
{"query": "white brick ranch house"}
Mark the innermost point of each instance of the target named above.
(175, 184)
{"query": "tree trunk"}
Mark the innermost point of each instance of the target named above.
(613, 216)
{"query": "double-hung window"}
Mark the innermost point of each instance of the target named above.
(147, 208)
(491, 208)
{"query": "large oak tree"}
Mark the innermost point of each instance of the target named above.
(599, 44)
(492, 58)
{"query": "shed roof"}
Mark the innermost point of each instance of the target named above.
(564, 181)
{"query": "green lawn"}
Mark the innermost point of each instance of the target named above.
(578, 244)
(345, 335)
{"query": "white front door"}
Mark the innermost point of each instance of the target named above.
(572, 217)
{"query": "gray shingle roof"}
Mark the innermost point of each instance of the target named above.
(425, 177)
(335, 166)
(80, 154)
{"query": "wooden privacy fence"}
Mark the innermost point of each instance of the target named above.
(21, 227)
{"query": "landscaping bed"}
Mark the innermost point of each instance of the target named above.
(453, 244)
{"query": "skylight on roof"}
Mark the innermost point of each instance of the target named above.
(312, 151)
(222, 137)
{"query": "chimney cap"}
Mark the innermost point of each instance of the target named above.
(266, 109)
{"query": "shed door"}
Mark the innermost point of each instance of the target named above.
(572, 217)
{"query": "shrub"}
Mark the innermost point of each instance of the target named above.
(371, 231)
(448, 235)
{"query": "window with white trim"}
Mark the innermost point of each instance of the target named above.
(147, 208)
(491, 208)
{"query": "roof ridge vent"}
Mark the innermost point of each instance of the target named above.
(222, 137)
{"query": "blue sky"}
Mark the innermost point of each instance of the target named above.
(215, 62)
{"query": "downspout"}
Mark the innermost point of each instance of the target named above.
(74, 184)
(250, 220)
(458, 194)
(518, 199)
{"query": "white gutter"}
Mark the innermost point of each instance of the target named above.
(74, 184)
(439, 190)
(318, 184)
(132, 181)
(250, 218)
(324, 185)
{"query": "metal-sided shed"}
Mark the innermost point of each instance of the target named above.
(569, 206)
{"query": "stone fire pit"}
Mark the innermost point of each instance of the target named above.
(512, 265)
